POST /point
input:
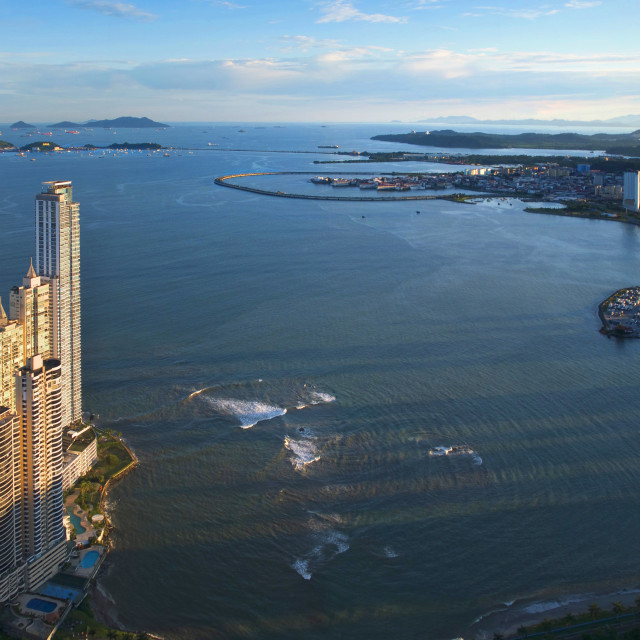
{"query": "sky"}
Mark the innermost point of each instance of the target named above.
(318, 60)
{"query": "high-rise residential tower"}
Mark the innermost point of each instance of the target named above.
(58, 260)
(11, 357)
(11, 557)
(42, 538)
(631, 191)
(30, 305)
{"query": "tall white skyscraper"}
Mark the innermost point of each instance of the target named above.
(58, 260)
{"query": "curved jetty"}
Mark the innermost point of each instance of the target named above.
(222, 181)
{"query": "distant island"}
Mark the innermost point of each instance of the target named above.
(619, 121)
(125, 122)
(622, 144)
(22, 125)
(50, 145)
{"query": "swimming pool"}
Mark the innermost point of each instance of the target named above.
(75, 521)
(41, 605)
(89, 559)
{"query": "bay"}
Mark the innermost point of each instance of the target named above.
(360, 348)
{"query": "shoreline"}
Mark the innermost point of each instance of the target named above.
(508, 620)
(102, 603)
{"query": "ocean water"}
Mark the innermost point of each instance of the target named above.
(352, 420)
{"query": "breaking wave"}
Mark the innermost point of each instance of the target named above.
(456, 450)
(247, 412)
(303, 452)
(328, 543)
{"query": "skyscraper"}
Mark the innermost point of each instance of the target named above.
(631, 190)
(58, 260)
(30, 305)
(11, 357)
(11, 558)
(32, 535)
(42, 538)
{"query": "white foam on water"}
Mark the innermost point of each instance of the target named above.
(456, 450)
(319, 397)
(304, 452)
(315, 397)
(541, 607)
(302, 567)
(328, 544)
(247, 412)
(389, 552)
(440, 451)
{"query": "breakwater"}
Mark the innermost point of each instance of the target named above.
(223, 182)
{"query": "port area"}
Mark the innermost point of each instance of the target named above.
(620, 313)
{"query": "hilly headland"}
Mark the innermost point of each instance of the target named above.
(619, 144)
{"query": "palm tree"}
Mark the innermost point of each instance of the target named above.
(594, 610)
(617, 607)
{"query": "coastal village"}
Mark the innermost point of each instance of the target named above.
(552, 182)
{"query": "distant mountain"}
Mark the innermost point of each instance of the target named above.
(22, 125)
(614, 143)
(619, 121)
(65, 124)
(125, 122)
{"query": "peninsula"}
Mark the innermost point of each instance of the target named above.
(622, 143)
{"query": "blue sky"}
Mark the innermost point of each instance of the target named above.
(318, 60)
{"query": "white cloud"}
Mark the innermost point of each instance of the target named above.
(115, 9)
(230, 5)
(526, 14)
(305, 43)
(342, 11)
(333, 75)
(582, 4)
(428, 4)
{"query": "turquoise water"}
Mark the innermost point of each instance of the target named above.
(361, 349)
(75, 521)
(89, 559)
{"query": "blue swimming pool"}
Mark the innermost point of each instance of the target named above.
(41, 605)
(89, 559)
(75, 521)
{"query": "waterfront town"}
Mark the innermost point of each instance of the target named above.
(551, 182)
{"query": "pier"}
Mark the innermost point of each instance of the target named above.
(222, 181)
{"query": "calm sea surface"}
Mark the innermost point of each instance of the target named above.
(353, 421)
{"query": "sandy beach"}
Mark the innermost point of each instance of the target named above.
(509, 619)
